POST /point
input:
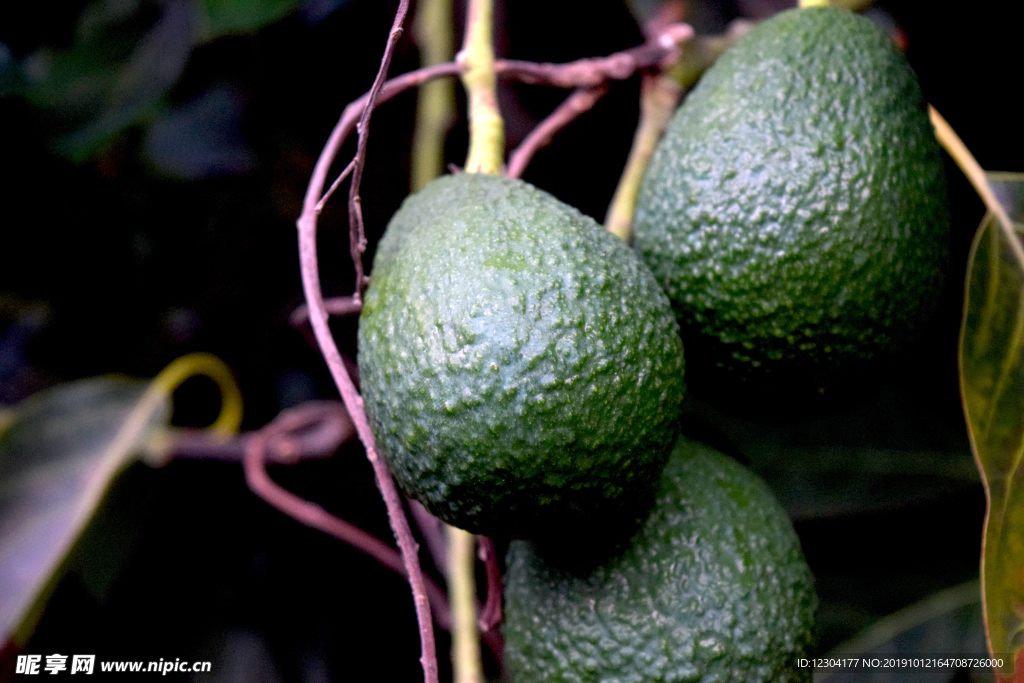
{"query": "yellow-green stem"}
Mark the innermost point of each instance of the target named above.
(657, 103)
(814, 3)
(486, 128)
(462, 597)
(435, 109)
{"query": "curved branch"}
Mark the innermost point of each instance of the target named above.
(575, 105)
(310, 270)
(314, 516)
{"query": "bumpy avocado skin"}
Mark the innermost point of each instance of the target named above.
(521, 368)
(795, 211)
(714, 587)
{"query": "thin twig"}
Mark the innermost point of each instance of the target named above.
(575, 105)
(340, 306)
(490, 615)
(590, 72)
(432, 531)
(392, 88)
(357, 233)
(310, 270)
(580, 73)
(325, 425)
(314, 516)
(334, 186)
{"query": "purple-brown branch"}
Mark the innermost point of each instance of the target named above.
(357, 234)
(312, 515)
(340, 306)
(321, 428)
(575, 105)
(578, 74)
(583, 73)
(310, 269)
(490, 615)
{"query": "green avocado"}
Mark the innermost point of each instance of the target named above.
(795, 211)
(714, 587)
(521, 368)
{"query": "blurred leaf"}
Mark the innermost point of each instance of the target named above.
(141, 81)
(57, 459)
(947, 623)
(116, 73)
(203, 138)
(238, 16)
(992, 382)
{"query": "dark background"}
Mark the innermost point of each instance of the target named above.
(119, 262)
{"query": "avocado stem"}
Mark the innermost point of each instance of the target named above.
(462, 596)
(814, 3)
(486, 127)
(657, 102)
(435, 108)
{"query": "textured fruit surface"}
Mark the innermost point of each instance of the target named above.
(714, 587)
(795, 211)
(520, 366)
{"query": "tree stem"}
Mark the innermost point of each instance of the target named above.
(486, 128)
(462, 596)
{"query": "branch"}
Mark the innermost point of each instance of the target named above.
(663, 48)
(357, 233)
(323, 427)
(340, 306)
(581, 73)
(309, 266)
(314, 516)
(578, 103)
(490, 615)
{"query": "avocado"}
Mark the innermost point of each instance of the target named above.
(521, 369)
(714, 587)
(795, 211)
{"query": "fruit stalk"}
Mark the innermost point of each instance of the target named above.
(657, 102)
(486, 128)
(462, 596)
(814, 3)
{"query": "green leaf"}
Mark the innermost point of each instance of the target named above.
(58, 457)
(992, 384)
(239, 16)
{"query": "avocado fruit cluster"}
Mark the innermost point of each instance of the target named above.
(713, 587)
(795, 211)
(521, 369)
